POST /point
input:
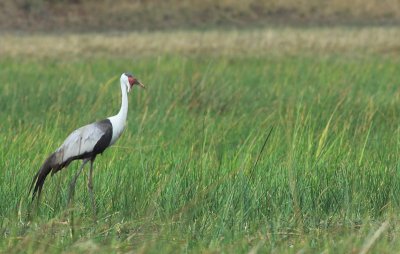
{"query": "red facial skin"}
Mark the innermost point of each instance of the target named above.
(131, 81)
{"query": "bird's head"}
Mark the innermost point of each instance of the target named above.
(129, 81)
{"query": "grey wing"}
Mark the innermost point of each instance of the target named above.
(79, 142)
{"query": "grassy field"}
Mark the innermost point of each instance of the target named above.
(191, 172)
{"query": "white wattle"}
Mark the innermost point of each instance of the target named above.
(119, 120)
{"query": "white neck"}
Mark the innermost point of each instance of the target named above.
(118, 121)
(124, 104)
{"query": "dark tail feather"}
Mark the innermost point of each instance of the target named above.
(38, 179)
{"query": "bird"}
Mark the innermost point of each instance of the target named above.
(86, 143)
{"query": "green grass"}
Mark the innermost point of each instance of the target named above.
(183, 176)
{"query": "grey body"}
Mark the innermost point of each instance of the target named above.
(84, 143)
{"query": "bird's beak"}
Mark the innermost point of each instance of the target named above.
(140, 84)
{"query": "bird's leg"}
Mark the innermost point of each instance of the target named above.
(71, 196)
(73, 182)
(90, 187)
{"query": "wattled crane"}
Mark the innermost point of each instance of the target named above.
(86, 143)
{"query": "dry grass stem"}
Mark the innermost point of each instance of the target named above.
(236, 43)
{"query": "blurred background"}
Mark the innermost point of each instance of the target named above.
(79, 15)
